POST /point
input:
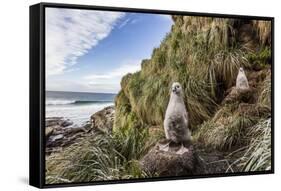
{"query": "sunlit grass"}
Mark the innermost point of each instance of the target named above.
(257, 156)
(100, 157)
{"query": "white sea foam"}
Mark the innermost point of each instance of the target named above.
(79, 114)
(59, 102)
(76, 106)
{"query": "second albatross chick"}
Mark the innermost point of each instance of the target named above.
(241, 80)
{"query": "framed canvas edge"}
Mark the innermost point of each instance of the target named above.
(35, 97)
(41, 57)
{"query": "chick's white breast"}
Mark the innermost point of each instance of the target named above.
(176, 109)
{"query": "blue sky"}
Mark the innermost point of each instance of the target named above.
(90, 51)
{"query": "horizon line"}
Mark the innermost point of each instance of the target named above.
(78, 92)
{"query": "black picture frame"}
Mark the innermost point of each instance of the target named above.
(37, 93)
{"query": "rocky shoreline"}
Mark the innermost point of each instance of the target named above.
(61, 132)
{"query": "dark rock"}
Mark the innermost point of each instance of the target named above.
(60, 121)
(66, 123)
(57, 132)
(71, 131)
(169, 163)
(216, 161)
(103, 120)
(61, 132)
(61, 137)
(52, 121)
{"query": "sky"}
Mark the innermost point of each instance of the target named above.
(90, 51)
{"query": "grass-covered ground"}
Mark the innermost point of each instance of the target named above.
(204, 55)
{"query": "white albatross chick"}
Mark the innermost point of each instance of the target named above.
(241, 80)
(176, 120)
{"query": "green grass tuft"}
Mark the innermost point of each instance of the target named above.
(100, 157)
(257, 156)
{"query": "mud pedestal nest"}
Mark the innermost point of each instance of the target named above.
(169, 163)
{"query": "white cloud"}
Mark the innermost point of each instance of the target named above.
(124, 23)
(107, 82)
(118, 72)
(110, 80)
(134, 21)
(70, 33)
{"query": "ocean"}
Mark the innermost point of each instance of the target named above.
(76, 106)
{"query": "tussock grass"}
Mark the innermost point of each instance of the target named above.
(132, 143)
(226, 64)
(257, 156)
(265, 94)
(90, 159)
(260, 59)
(100, 157)
(264, 31)
(227, 129)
